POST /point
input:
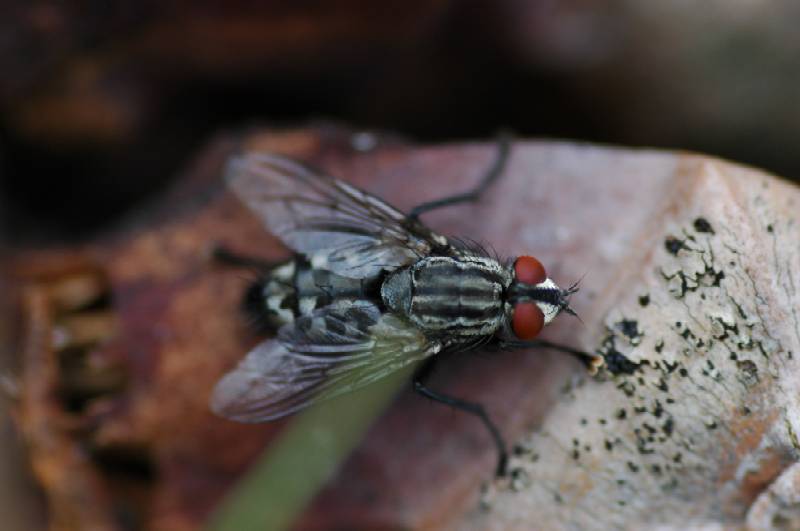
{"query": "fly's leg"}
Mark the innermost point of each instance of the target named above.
(470, 407)
(496, 169)
(224, 256)
(593, 362)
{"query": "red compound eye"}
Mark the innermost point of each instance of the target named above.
(529, 270)
(528, 320)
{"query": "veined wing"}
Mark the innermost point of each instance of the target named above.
(332, 351)
(337, 226)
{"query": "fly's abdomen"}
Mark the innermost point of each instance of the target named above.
(451, 296)
(294, 288)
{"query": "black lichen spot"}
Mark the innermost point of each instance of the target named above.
(671, 485)
(576, 454)
(677, 458)
(576, 442)
(609, 445)
(617, 363)
(668, 426)
(702, 225)
(640, 410)
(749, 370)
(629, 328)
(633, 467)
(661, 385)
(641, 443)
(557, 497)
(659, 346)
(628, 388)
(670, 366)
(658, 410)
(602, 421)
(683, 372)
(518, 473)
(656, 469)
(584, 422)
(719, 276)
(745, 410)
(770, 228)
(621, 414)
(644, 300)
(673, 245)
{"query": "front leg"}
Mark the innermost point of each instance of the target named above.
(593, 362)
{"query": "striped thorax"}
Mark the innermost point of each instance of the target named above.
(460, 297)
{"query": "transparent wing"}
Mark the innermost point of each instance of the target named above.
(338, 227)
(333, 351)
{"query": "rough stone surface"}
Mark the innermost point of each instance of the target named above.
(704, 417)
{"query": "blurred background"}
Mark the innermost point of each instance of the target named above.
(102, 103)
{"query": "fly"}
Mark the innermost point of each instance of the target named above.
(371, 290)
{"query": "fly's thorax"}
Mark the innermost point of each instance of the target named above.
(457, 296)
(397, 289)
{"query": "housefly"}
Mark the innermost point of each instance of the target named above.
(371, 290)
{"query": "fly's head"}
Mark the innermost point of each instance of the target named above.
(534, 299)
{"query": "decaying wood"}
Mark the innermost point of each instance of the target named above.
(690, 291)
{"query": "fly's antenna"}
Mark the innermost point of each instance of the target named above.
(575, 287)
(567, 294)
(573, 313)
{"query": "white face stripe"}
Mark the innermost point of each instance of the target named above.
(548, 284)
(550, 311)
